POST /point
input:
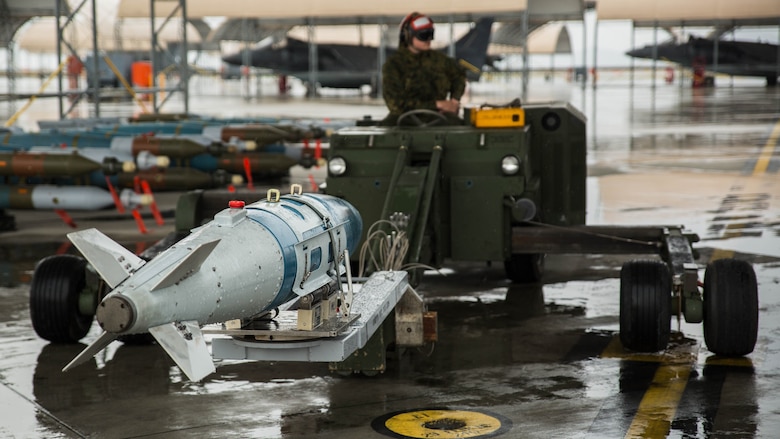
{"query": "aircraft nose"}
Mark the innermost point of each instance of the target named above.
(235, 59)
(642, 52)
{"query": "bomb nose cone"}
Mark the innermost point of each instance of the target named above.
(115, 314)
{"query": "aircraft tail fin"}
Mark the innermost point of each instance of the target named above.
(471, 49)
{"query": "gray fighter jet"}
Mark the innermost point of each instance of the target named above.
(739, 58)
(353, 66)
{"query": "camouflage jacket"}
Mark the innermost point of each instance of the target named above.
(416, 81)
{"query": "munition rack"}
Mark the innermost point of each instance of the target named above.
(353, 343)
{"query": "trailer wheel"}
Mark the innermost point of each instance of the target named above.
(645, 305)
(730, 307)
(54, 299)
(524, 268)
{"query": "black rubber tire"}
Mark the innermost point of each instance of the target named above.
(525, 267)
(54, 299)
(730, 307)
(645, 305)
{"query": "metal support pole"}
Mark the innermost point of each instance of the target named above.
(526, 69)
(71, 50)
(595, 52)
(655, 51)
(245, 58)
(381, 56)
(451, 47)
(153, 57)
(715, 56)
(61, 106)
(313, 61)
(8, 34)
(181, 63)
(632, 65)
(184, 62)
(552, 67)
(680, 71)
(95, 61)
(584, 54)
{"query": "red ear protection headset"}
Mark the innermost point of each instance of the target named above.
(416, 25)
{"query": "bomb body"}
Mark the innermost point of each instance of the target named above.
(250, 259)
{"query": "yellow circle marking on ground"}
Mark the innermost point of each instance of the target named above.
(442, 424)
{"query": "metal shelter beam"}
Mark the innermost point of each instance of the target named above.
(62, 7)
(182, 64)
(65, 18)
(13, 15)
(327, 11)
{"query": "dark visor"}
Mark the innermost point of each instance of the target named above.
(424, 34)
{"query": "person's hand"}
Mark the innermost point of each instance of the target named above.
(448, 106)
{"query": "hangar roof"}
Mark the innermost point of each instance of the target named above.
(691, 12)
(19, 11)
(131, 34)
(325, 11)
(33, 8)
(272, 17)
(245, 26)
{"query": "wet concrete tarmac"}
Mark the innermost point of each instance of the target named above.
(532, 361)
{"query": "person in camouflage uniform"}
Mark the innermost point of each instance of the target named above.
(416, 77)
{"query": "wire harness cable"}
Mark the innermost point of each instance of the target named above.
(386, 251)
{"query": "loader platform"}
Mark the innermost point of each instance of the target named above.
(383, 303)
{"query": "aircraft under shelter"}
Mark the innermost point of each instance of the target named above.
(248, 22)
(715, 52)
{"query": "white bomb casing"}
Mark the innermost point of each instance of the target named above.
(250, 259)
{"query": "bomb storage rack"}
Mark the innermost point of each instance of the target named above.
(384, 309)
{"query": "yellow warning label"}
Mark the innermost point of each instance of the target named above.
(443, 424)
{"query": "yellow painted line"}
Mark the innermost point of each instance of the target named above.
(766, 153)
(659, 405)
(656, 411)
(745, 362)
(680, 350)
(615, 349)
(762, 163)
(719, 253)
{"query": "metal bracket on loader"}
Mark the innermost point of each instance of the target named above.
(336, 339)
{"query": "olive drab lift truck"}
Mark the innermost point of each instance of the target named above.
(509, 185)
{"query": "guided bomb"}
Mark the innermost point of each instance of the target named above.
(249, 260)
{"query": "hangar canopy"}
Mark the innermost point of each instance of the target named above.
(329, 11)
(551, 38)
(20, 11)
(690, 12)
(131, 34)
